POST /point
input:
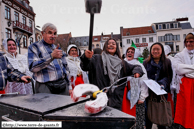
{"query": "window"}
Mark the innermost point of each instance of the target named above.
(175, 25)
(177, 48)
(137, 40)
(93, 46)
(144, 40)
(95, 39)
(159, 38)
(8, 33)
(177, 37)
(184, 35)
(24, 20)
(16, 16)
(128, 41)
(127, 33)
(30, 23)
(25, 41)
(7, 13)
(160, 27)
(167, 26)
(85, 43)
(97, 45)
(150, 39)
(31, 40)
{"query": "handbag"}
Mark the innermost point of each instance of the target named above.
(56, 87)
(160, 112)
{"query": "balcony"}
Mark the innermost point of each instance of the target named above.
(22, 27)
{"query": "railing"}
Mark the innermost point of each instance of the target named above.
(22, 26)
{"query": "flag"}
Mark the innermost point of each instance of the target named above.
(140, 59)
(133, 45)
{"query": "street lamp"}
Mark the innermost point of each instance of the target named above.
(92, 6)
(18, 38)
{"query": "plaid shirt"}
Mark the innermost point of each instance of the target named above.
(42, 65)
(7, 72)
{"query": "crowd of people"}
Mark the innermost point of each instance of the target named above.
(57, 72)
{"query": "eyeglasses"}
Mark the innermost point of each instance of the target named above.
(132, 52)
(189, 41)
(50, 33)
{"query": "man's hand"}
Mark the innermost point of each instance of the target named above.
(89, 54)
(26, 79)
(57, 53)
(136, 75)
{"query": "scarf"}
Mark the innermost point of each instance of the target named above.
(112, 66)
(75, 69)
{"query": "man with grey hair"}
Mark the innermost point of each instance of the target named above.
(48, 63)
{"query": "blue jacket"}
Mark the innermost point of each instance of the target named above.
(7, 72)
(157, 73)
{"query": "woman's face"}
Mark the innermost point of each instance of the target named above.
(156, 51)
(130, 54)
(11, 46)
(190, 44)
(73, 52)
(112, 47)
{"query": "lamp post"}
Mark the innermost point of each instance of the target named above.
(18, 38)
(92, 7)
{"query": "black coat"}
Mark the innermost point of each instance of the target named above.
(95, 66)
(156, 72)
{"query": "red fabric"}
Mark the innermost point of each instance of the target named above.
(79, 80)
(2, 91)
(184, 114)
(172, 103)
(126, 103)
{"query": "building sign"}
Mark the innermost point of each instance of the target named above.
(141, 44)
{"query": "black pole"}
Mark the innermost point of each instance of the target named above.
(91, 31)
(19, 46)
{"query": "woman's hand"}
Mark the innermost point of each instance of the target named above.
(89, 54)
(136, 75)
(140, 102)
(70, 92)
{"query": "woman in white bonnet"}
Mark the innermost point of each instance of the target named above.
(184, 68)
(19, 62)
(76, 75)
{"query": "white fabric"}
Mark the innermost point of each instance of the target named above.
(75, 69)
(183, 65)
(70, 46)
(20, 63)
(167, 49)
(143, 88)
(137, 53)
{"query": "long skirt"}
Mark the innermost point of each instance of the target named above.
(184, 114)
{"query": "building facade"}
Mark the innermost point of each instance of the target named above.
(97, 41)
(17, 22)
(141, 36)
(173, 33)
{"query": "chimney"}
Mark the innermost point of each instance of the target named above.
(111, 34)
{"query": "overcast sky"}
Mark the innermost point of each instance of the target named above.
(70, 15)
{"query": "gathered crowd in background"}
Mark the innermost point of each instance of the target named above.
(57, 72)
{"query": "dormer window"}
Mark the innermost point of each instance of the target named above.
(149, 31)
(175, 25)
(127, 33)
(168, 26)
(159, 26)
(95, 39)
